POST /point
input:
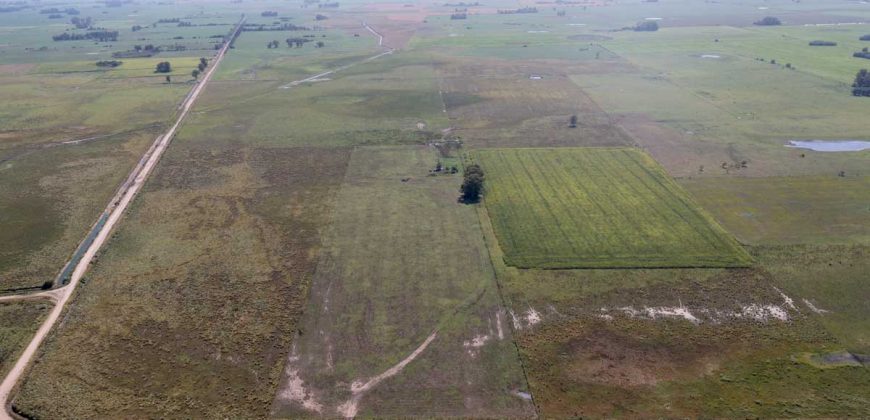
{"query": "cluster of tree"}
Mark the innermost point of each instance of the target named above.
(461, 4)
(55, 16)
(459, 16)
(269, 13)
(82, 23)
(647, 26)
(732, 166)
(146, 47)
(861, 87)
(163, 67)
(136, 28)
(273, 44)
(768, 21)
(862, 54)
(321, 17)
(439, 168)
(865, 37)
(102, 36)
(113, 3)
(561, 13)
(520, 10)
(54, 10)
(109, 63)
(176, 47)
(252, 27)
(819, 43)
(184, 24)
(297, 41)
(472, 184)
(331, 5)
(169, 20)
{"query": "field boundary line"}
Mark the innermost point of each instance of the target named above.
(482, 218)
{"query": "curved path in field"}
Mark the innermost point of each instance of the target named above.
(115, 211)
(346, 66)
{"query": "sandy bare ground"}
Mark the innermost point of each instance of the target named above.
(116, 209)
(358, 389)
(52, 295)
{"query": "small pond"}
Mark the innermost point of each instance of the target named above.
(831, 145)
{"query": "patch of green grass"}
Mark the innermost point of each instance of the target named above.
(832, 278)
(788, 210)
(564, 208)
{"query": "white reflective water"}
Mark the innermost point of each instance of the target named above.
(831, 145)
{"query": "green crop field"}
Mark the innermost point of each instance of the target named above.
(599, 207)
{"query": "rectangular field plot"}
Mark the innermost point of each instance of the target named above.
(597, 208)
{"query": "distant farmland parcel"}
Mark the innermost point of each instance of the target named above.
(597, 208)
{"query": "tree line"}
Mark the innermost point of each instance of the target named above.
(253, 27)
(102, 36)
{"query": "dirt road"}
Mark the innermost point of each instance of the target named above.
(115, 211)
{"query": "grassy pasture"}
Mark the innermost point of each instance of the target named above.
(18, 323)
(732, 108)
(380, 102)
(206, 276)
(50, 197)
(494, 103)
(566, 208)
(833, 279)
(52, 188)
(401, 259)
(781, 210)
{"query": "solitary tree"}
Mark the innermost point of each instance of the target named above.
(472, 184)
(168, 79)
(573, 122)
(861, 87)
(768, 21)
(195, 74)
(163, 67)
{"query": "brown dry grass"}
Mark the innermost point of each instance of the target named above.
(493, 103)
(212, 268)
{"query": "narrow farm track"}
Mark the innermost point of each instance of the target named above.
(115, 210)
(318, 76)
